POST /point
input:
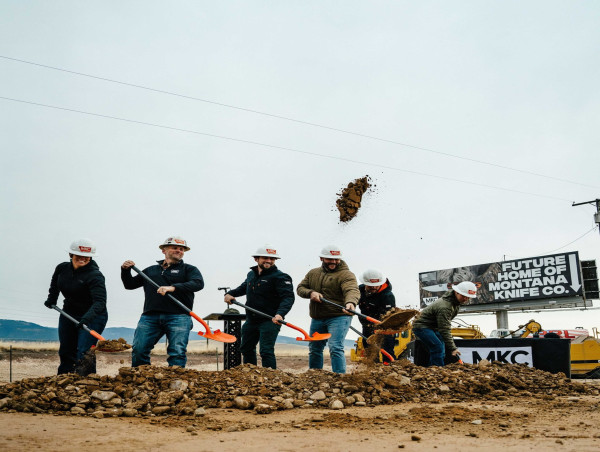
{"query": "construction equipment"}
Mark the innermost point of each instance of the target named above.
(381, 350)
(314, 337)
(402, 349)
(216, 335)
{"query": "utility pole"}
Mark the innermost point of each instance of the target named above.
(597, 214)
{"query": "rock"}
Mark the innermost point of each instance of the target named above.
(396, 382)
(4, 402)
(161, 409)
(77, 410)
(103, 395)
(98, 414)
(360, 404)
(444, 388)
(415, 438)
(477, 422)
(317, 396)
(358, 397)
(484, 363)
(190, 428)
(200, 412)
(168, 397)
(179, 385)
(129, 412)
(263, 408)
(242, 403)
(336, 405)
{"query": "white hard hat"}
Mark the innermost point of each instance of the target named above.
(266, 251)
(331, 252)
(83, 247)
(175, 240)
(466, 288)
(373, 277)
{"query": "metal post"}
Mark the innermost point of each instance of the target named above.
(502, 319)
(217, 355)
(10, 365)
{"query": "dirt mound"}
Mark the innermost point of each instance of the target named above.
(151, 391)
(349, 199)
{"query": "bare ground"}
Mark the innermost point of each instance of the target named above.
(516, 424)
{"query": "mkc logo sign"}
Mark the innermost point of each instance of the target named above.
(509, 355)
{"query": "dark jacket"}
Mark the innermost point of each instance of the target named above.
(84, 290)
(437, 317)
(271, 292)
(375, 305)
(186, 279)
(339, 286)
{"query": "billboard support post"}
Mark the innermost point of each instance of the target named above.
(502, 319)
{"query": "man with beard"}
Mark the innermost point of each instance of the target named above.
(269, 290)
(161, 315)
(376, 298)
(335, 282)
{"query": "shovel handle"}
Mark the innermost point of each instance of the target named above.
(353, 312)
(74, 320)
(256, 311)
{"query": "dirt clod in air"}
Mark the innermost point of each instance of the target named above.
(113, 345)
(349, 199)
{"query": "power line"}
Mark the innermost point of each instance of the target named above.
(299, 121)
(314, 154)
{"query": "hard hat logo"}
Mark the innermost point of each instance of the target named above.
(334, 252)
(374, 280)
(472, 292)
(271, 251)
(179, 241)
(85, 249)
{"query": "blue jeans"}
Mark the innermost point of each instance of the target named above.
(338, 328)
(151, 328)
(75, 342)
(434, 343)
(264, 333)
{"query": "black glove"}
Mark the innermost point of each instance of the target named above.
(49, 304)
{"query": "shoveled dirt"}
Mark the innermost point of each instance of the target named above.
(459, 407)
(395, 320)
(349, 200)
(113, 345)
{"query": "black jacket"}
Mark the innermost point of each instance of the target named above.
(271, 292)
(375, 305)
(84, 290)
(186, 279)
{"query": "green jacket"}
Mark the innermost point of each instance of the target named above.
(339, 286)
(437, 316)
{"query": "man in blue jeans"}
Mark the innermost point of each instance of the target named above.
(269, 290)
(433, 326)
(162, 316)
(334, 281)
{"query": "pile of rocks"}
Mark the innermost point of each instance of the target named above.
(152, 391)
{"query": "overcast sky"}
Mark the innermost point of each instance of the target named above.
(510, 83)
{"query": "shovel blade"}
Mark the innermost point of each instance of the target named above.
(218, 336)
(315, 337)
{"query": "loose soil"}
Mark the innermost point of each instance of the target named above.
(498, 407)
(350, 198)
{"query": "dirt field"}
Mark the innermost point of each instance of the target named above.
(516, 423)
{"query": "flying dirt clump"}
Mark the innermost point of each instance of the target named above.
(349, 199)
(113, 345)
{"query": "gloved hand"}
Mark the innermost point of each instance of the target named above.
(49, 304)
(81, 324)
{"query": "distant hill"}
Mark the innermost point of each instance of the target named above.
(17, 330)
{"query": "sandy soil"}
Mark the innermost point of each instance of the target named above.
(517, 424)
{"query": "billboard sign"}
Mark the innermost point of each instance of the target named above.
(534, 278)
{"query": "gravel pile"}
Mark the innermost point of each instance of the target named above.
(152, 391)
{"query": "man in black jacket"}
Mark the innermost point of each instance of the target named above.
(271, 291)
(162, 316)
(376, 298)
